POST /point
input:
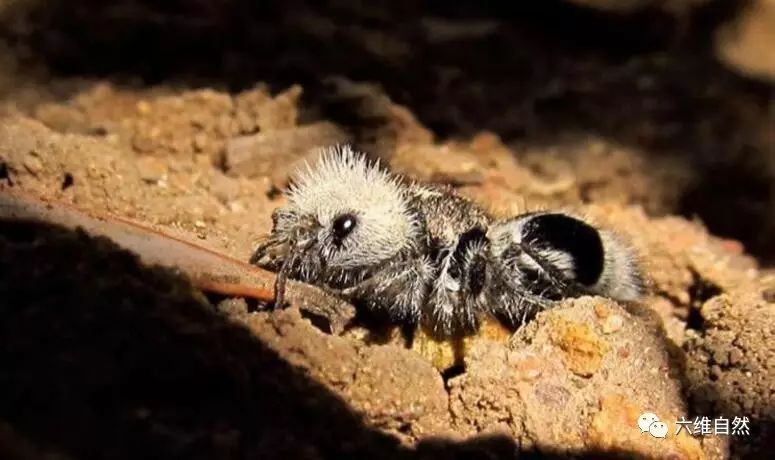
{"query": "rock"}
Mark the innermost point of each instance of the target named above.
(394, 388)
(561, 384)
(612, 324)
(617, 410)
(155, 122)
(257, 111)
(225, 188)
(731, 366)
(440, 165)
(278, 153)
(582, 349)
(448, 353)
(151, 169)
(33, 164)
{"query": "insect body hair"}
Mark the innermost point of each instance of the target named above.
(621, 278)
(425, 255)
(569, 253)
(344, 182)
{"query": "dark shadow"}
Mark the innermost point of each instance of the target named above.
(734, 200)
(103, 358)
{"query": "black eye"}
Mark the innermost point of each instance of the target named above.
(344, 225)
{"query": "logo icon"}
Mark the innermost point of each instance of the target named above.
(649, 421)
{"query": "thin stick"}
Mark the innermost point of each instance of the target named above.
(208, 270)
(234, 290)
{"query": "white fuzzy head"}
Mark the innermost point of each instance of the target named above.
(341, 183)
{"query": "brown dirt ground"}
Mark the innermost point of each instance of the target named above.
(110, 359)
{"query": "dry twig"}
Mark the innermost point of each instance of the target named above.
(208, 270)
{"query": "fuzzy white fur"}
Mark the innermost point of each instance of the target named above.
(621, 278)
(342, 181)
(386, 261)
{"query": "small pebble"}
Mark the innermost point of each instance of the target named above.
(247, 123)
(33, 164)
(612, 324)
(732, 246)
(716, 372)
(224, 188)
(601, 310)
(720, 357)
(224, 126)
(735, 356)
(143, 107)
(151, 169)
(203, 160)
(200, 142)
(527, 367)
(233, 306)
(143, 143)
